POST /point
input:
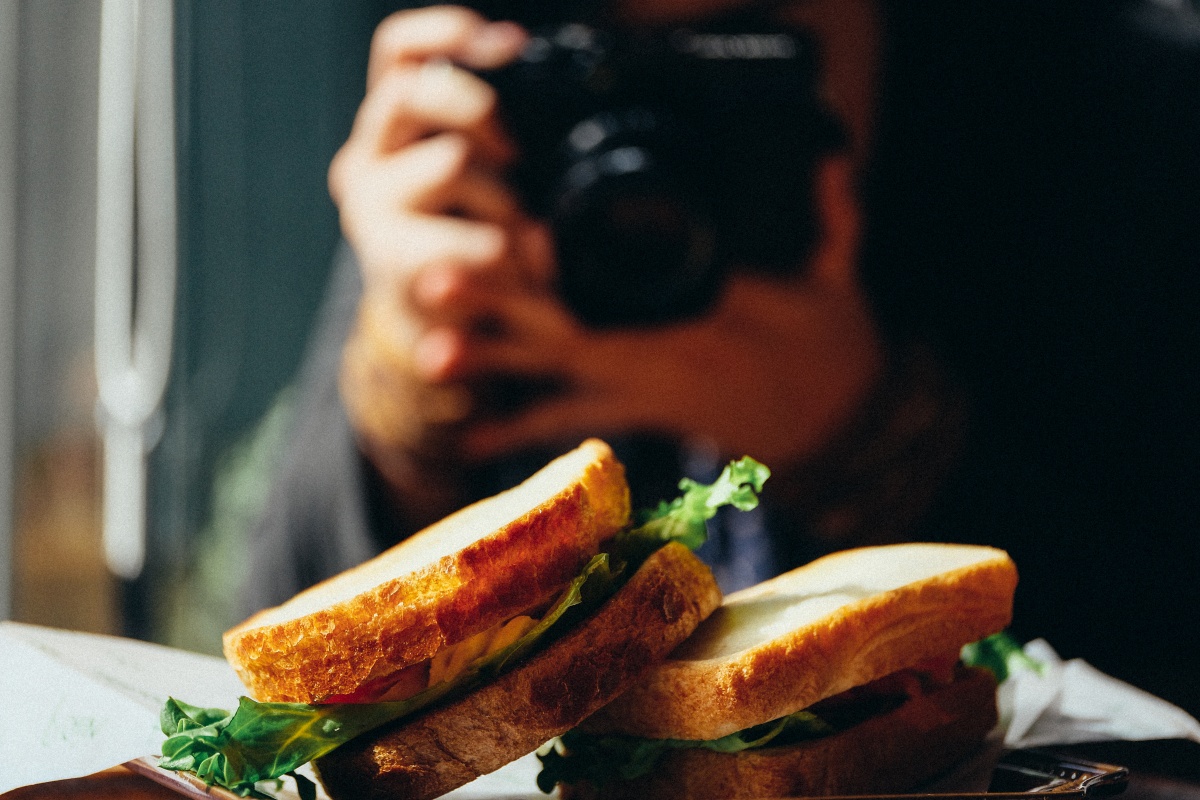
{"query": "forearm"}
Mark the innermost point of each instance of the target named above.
(878, 476)
(404, 427)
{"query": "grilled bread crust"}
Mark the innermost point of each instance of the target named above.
(893, 752)
(474, 569)
(867, 613)
(451, 745)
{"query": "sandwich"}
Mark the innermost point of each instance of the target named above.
(468, 645)
(841, 677)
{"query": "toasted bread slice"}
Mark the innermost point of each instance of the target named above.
(836, 623)
(474, 569)
(893, 752)
(451, 745)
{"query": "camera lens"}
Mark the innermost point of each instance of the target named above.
(636, 242)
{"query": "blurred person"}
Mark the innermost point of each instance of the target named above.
(987, 339)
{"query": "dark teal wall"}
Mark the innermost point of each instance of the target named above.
(266, 94)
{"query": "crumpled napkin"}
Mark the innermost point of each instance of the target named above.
(1071, 702)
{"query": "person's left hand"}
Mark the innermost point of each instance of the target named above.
(772, 370)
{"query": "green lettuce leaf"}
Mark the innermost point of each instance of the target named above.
(578, 757)
(265, 741)
(683, 519)
(1001, 654)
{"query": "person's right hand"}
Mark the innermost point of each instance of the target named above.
(417, 183)
(420, 194)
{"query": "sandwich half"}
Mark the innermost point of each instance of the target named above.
(840, 677)
(469, 644)
(374, 632)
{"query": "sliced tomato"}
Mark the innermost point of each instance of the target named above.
(400, 685)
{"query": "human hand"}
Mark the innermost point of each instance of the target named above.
(772, 371)
(458, 288)
(418, 186)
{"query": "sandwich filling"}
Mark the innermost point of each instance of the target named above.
(445, 666)
(579, 757)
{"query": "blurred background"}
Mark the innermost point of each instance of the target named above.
(264, 93)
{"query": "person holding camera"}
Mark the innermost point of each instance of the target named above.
(461, 288)
(962, 323)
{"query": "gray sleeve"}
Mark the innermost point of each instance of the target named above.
(317, 519)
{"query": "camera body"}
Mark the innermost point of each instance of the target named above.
(662, 159)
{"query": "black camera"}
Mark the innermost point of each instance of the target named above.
(663, 158)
